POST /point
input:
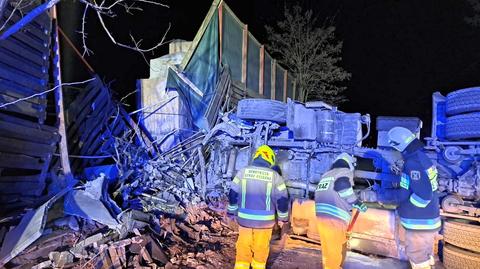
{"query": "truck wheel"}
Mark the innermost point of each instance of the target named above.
(465, 126)
(463, 101)
(450, 203)
(262, 109)
(456, 258)
(462, 235)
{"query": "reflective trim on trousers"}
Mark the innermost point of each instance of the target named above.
(258, 265)
(333, 211)
(282, 215)
(242, 265)
(232, 207)
(423, 265)
(251, 214)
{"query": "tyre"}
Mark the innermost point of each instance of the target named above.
(456, 258)
(463, 101)
(465, 126)
(462, 235)
(262, 109)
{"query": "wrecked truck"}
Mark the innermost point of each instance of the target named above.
(308, 137)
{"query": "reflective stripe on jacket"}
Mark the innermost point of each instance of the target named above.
(334, 195)
(256, 195)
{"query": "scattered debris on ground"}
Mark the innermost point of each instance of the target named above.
(199, 239)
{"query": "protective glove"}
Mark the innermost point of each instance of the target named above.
(368, 196)
(360, 206)
(376, 187)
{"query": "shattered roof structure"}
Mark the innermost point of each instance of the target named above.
(223, 41)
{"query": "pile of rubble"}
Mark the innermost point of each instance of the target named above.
(201, 240)
(141, 212)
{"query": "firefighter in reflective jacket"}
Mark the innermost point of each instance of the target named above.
(417, 198)
(334, 199)
(257, 193)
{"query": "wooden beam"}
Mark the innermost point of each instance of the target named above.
(294, 90)
(285, 85)
(272, 82)
(220, 31)
(244, 53)
(261, 70)
(63, 148)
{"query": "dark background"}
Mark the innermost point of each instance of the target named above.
(399, 52)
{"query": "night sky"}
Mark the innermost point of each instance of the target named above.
(398, 52)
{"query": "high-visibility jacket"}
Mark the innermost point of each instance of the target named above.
(417, 197)
(334, 195)
(256, 193)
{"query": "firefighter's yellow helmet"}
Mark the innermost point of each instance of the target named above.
(266, 153)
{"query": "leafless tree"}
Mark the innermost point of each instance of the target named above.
(475, 19)
(312, 53)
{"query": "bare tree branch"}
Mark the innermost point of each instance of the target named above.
(44, 92)
(86, 51)
(135, 47)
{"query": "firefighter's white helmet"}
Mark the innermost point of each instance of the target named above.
(399, 138)
(347, 158)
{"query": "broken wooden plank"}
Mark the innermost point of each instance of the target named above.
(22, 78)
(11, 145)
(8, 160)
(59, 106)
(25, 66)
(23, 188)
(42, 21)
(22, 179)
(26, 123)
(32, 42)
(75, 120)
(116, 262)
(31, 28)
(122, 255)
(22, 107)
(19, 49)
(5, 94)
(16, 90)
(12, 130)
(76, 107)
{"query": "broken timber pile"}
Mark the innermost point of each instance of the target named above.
(142, 211)
(201, 240)
(27, 140)
(93, 122)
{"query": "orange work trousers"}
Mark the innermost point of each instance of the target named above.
(333, 238)
(253, 246)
